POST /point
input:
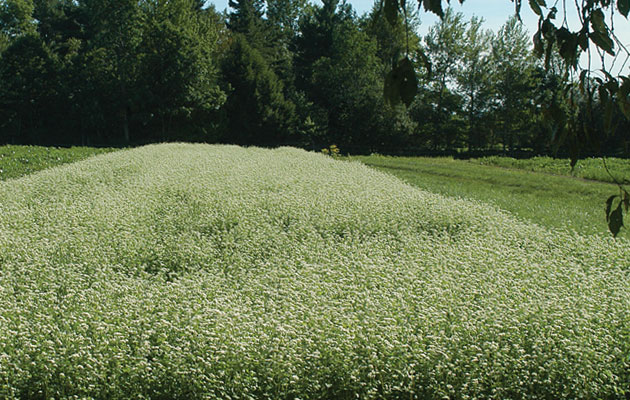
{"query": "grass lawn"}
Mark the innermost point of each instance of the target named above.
(17, 161)
(589, 168)
(546, 199)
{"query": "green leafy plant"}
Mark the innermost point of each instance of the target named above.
(331, 150)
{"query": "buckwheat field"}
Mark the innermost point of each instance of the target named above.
(200, 272)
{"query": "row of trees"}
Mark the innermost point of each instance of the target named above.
(105, 72)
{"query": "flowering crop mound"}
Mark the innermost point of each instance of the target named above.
(198, 271)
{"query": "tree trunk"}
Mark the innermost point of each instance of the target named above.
(471, 129)
(163, 134)
(126, 125)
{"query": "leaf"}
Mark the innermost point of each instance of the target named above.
(409, 81)
(604, 42)
(548, 29)
(426, 61)
(434, 6)
(539, 47)
(548, 55)
(583, 77)
(626, 200)
(609, 206)
(533, 4)
(622, 97)
(568, 43)
(608, 116)
(583, 40)
(563, 34)
(401, 83)
(597, 21)
(574, 154)
(392, 88)
(624, 7)
(391, 11)
(616, 220)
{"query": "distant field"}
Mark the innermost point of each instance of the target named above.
(196, 271)
(17, 161)
(549, 200)
(589, 168)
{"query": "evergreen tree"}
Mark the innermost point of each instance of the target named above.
(339, 70)
(316, 38)
(29, 81)
(114, 29)
(284, 16)
(179, 72)
(257, 110)
(247, 19)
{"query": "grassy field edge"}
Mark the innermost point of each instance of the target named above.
(555, 201)
(17, 161)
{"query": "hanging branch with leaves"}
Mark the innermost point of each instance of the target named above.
(401, 83)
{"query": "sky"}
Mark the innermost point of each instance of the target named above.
(495, 13)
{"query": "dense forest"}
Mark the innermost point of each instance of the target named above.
(278, 72)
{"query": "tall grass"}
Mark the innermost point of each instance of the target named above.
(197, 271)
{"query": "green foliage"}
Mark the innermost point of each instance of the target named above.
(395, 40)
(29, 83)
(119, 72)
(401, 83)
(475, 82)
(285, 16)
(112, 72)
(512, 71)
(195, 271)
(257, 109)
(246, 18)
(178, 69)
(331, 150)
(556, 38)
(347, 101)
(444, 48)
(16, 17)
(17, 161)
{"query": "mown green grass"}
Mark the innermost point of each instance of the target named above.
(589, 168)
(553, 201)
(17, 161)
(197, 271)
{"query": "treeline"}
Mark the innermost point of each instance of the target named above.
(275, 72)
